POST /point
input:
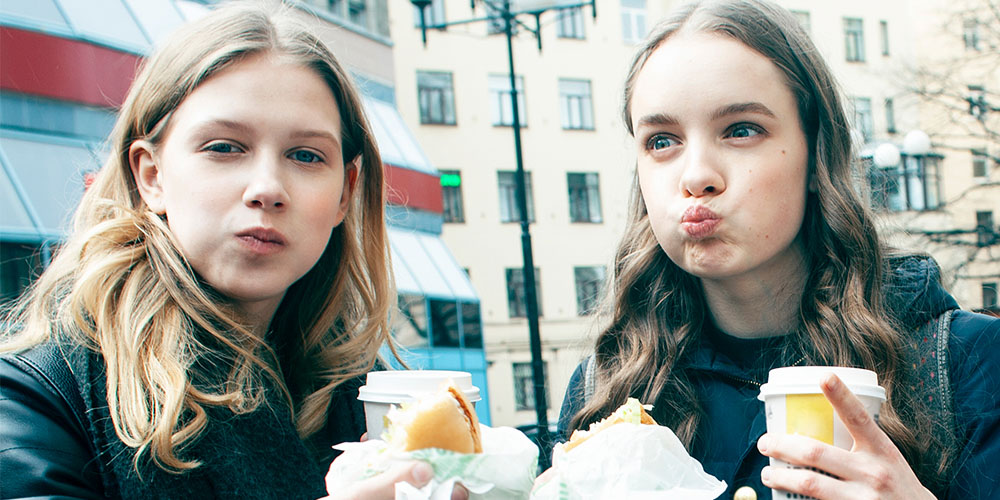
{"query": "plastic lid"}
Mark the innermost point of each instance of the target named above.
(806, 379)
(407, 385)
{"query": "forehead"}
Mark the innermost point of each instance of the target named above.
(694, 68)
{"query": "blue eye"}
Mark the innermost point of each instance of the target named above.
(221, 147)
(305, 156)
(660, 142)
(744, 130)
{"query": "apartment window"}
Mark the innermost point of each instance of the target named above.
(509, 209)
(985, 231)
(524, 386)
(990, 302)
(584, 197)
(357, 12)
(570, 23)
(803, 18)
(577, 110)
(863, 117)
(912, 185)
(589, 281)
(884, 31)
(433, 14)
(369, 15)
(890, 116)
(854, 37)
(633, 20)
(979, 162)
(970, 34)
(451, 196)
(19, 266)
(409, 324)
(517, 302)
(437, 98)
(501, 109)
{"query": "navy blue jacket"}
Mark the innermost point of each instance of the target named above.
(734, 417)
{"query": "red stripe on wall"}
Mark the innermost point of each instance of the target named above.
(71, 70)
(413, 189)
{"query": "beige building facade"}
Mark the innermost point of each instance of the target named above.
(580, 161)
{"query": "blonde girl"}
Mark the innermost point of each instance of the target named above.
(748, 249)
(225, 284)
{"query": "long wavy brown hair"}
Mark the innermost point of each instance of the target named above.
(656, 312)
(121, 286)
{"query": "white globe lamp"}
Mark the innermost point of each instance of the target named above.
(886, 155)
(916, 143)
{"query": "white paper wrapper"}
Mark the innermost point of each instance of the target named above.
(504, 470)
(631, 462)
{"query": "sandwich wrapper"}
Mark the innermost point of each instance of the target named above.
(628, 461)
(504, 470)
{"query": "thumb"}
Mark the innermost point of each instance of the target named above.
(383, 486)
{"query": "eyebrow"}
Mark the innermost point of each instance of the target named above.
(655, 119)
(661, 119)
(743, 107)
(246, 129)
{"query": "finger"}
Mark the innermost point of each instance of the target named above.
(808, 452)
(459, 493)
(859, 423)
(807, 483)
(383, 486)
(364, 437)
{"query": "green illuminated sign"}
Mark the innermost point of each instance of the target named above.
(451, 180)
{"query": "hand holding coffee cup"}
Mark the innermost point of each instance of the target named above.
(826, 443)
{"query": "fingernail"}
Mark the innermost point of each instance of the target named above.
(459, 493)
(832, 381)
(763, 443)
(422, 472)
(765, 474)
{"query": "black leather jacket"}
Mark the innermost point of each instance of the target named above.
(50, 448)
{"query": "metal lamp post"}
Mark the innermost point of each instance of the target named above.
(509, 14)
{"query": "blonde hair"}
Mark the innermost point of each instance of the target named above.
(121, 286)
(657, 311)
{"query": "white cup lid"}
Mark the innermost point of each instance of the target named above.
(806, 379)
(400, 386)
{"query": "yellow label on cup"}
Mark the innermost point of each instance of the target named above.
(809, 415)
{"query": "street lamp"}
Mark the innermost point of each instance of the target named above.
(509, 13)
(911, 170)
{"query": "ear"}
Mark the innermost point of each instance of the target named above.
(146, 172)
(350, 183)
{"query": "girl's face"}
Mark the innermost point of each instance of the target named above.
(251, 178)
(721, 157)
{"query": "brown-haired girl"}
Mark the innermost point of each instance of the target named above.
(225, 285)
(749, 249)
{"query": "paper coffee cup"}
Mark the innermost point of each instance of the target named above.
(795, 404)
(386, 388)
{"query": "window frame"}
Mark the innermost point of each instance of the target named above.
(588, 291)
(854, 39)
(633, 21)
(571, 100)
(452, 201)
(517, 298)
(446, 98)
(584, 191)
(500, 101)
(570, 25)
(512, 214)
(524, 392)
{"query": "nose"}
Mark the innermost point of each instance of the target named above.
(702, 172)
(266, 187)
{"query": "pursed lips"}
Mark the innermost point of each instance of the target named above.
(262, 240)
(699, 222)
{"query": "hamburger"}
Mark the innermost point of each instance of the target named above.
(632, 412)
(444, 420)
